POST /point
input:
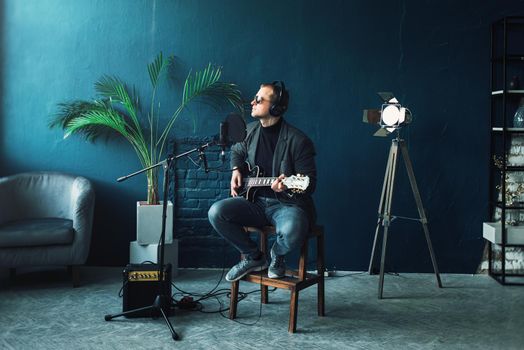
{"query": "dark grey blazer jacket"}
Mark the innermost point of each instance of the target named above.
(294, 154)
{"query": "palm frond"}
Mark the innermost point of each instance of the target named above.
(204, 86)
(114, 89)
(103, 120)
(111, 87)
(157, 67)
(221, 92)
(69, 111)
(96, 119)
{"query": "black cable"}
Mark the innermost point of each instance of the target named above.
(393, 274)
(197, 305)
(121, 291)
(204, 296)
(259, 310)
(147, 262)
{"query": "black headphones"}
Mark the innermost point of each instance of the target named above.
(277, 108)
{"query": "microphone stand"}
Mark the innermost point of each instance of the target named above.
(162, 303)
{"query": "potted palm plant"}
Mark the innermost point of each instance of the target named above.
(117, 111)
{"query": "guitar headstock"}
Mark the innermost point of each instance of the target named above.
(296, 183)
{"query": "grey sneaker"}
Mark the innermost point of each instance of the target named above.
(277, 268)
(245, 266)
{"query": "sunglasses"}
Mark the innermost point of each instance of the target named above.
(258, 100)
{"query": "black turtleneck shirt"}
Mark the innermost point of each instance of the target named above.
(265, 151)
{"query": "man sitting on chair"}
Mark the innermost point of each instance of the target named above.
(276, 148)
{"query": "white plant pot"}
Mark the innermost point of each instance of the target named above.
(139, 253)
(149, 223)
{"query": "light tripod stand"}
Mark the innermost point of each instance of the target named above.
(162, 303)
(384, 209)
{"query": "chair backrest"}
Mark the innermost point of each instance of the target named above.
(39, 195)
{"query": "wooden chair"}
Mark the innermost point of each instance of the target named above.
(295, 280)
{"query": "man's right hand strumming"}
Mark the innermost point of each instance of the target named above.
(236, 182)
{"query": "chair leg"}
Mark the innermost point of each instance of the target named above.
(263, 249)
(263, 294)
(293, 308)
(233, 300)
(74, 272)
(302, 268)
(320, 296)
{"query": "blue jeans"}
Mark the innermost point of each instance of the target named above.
(229, 216)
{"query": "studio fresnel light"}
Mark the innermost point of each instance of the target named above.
(392, 116)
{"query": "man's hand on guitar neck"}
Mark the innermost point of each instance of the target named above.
(278, 185)
(236, 182)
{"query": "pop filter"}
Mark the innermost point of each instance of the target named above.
(232, 130)
(236, 128)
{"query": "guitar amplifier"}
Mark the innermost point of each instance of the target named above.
(141, 286)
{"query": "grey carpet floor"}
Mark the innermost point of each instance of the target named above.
(40, 310)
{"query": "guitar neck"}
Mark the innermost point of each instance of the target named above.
(259, 181)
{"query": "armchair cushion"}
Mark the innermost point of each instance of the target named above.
(36, 232)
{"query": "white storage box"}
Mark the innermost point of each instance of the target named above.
(139, 253)
(492, 232)
(149, 222)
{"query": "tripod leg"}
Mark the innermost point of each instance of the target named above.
(159, 304)
(418, 201)
(373, 251)
(174, 334)
(431, 253)
(380, 210)
(382, 262)
(130, 312)
(387, 214)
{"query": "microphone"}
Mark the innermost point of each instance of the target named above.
(203, 158)
(223, 140)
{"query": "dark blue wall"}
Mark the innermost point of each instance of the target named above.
(334, 56)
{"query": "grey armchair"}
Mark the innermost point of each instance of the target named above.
(45, 219)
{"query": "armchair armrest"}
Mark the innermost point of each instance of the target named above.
(5, 200)
(81, 212)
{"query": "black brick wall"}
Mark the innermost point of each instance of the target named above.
(194, 191)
